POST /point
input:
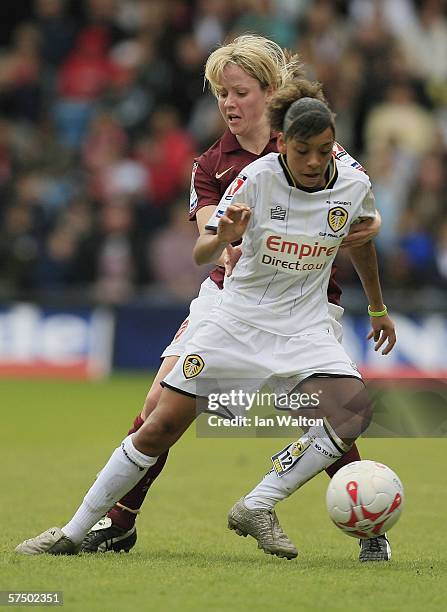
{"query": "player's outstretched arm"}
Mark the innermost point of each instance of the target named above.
(231, 228)
(364, 260)
(203, 215)
(363, 232)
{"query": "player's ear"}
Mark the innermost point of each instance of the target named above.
(269, 91)
(281, 143)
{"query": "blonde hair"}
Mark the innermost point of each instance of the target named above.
(261, 58)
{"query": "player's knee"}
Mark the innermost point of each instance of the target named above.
(354, 418)
(366, 412)
(363, 415)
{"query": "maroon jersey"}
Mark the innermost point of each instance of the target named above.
(213, 172)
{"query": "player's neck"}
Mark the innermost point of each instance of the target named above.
(255, 143)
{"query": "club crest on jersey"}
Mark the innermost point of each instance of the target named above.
(278, 213)
(337, 218)
(192, 366)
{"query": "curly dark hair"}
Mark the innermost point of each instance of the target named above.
(285, 96)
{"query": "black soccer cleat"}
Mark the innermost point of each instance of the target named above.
(375, 549)
(105, 536)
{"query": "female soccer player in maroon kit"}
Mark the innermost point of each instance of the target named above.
(242, 75)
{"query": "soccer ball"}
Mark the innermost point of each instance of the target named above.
(365, 499)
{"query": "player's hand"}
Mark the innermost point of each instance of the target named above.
(231, 257)
(234, 222)
(361, 233)
(383, 330)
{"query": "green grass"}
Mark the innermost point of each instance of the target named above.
(57, 435)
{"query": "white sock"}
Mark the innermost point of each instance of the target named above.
(295, 465)
(123, 470)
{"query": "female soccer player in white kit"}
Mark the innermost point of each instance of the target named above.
(242, 74)
(272, 323)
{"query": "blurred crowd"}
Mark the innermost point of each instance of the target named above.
(102, 110)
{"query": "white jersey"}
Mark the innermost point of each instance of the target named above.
(280, 283)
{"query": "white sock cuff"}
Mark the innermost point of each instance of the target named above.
(325, 446)
(334, 437)
(135, 456)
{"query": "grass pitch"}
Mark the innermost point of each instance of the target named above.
(57, 435)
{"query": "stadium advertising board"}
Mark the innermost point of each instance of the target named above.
(419, 352)
(88, 342)
(47, 342)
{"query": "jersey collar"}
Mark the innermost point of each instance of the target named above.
(331, 174)
(230, 142)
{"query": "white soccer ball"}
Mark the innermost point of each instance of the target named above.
(365, 499)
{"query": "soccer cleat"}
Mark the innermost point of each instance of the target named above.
(52, 541)
(263, 526)
(375, 549)
(105, 536)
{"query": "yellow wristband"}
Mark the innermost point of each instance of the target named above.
(380, 313)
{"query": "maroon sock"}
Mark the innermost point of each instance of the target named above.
(138, 422)
(135, 498)
(349, 457)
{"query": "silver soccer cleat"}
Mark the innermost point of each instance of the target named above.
(52, 541)
(263, 526)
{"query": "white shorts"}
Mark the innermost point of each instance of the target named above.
(335, 315)
(199, 310)
(228, 355)
(201, 307)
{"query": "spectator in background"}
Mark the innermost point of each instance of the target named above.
(416, 255)
(103, 14)
(398, 16)
(427, 200)
(179, 275)
(104, 141)
(54, 268)
(79, 217)
(400, 121)
(425, 42)
(103, 100)
(391, 173)
(212, 20)
(84, 76)
(113, 171)
(20, 74)
(19, 249)
(145, 82)
(381, 62)
(111, 259)
(57, 30)
(187, 86)
(322, 39)
(167, 153)
(261, 16)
